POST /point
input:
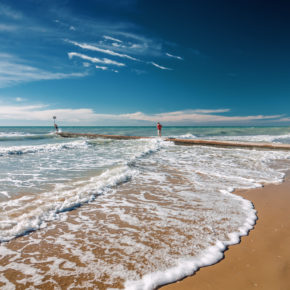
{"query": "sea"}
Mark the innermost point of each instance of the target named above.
(78, 213)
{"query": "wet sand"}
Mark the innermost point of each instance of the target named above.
(66, 253)
(262, 259)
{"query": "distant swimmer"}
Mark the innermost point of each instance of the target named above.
(159, 127)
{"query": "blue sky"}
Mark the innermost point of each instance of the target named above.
(130, 62)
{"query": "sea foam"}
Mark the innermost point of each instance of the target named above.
(46, 206)
(178, 212)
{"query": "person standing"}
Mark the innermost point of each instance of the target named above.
(55, 125)
(159, 127)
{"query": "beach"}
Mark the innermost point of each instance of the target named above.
(144, 145)
(134, 214)
(262, 259)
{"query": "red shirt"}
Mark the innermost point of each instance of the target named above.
(159, 126)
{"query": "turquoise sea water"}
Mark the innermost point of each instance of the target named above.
(181, 194)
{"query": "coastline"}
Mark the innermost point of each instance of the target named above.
(262, 259)
(66, 252)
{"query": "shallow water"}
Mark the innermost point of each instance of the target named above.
(130, 214)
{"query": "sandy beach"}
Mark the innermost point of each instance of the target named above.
(262, 259)
(145, 219)
(144, 145)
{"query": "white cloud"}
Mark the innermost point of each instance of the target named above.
(284, 119)
(116, 44)
(101, 67)
(159, 66)
(141, 45)
(136, 46)
(98, 49)
(94, 59)
(202, 111)
(195, 116)
(13, 72)
(174, 56)
(112, 38)
(35, 113)
(40, 113)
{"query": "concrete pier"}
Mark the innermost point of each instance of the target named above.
(215, 143)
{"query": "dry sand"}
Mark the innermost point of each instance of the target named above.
(262, 259)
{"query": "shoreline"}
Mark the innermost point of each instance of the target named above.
(184, 142)
(262, 258)
(74, 243)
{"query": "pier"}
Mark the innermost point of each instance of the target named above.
(188, 142)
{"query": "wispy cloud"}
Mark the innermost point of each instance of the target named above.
(9, 12)
(112, 39)
(136, 44)
(119, 41)
(118, 45)
(139, 71)
(159, 66)
(95, 59)
(12, 71)
(8, 27)
(196, 117)
(205, 111)
(41, 113)
(129, 46)
(101, 67)
(174, 56)
(98, 49)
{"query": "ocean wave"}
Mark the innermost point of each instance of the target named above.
(30, 149)
(19, 136)
(46, 206)
(255, 138)
(34, 211)
(185, 136)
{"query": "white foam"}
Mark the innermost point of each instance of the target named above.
(19, 150)
(177, 213)
(5, 193)
(15, 134)
(188, 267)
(238, 179)
(253, 138)
(47, 205)
(185, 136)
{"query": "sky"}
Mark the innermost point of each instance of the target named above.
(131, 62)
